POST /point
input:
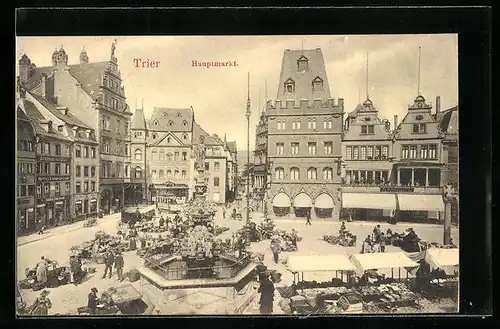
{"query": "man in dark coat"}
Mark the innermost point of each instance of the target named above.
(92, 301)
(266, 290)
(119, 266)
(308, 222)
(109, 261)
(162, 221)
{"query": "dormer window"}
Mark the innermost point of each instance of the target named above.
(317, 84)
(179, 114)
(154, 136)
(155, 123)
(170, 123)
(184, 123)
(60, 128)
(184, 136)
(302, 63)
(289, 86)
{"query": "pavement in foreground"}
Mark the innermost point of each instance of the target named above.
(56, 243)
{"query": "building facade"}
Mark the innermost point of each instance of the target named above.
(367, 150)
(419, 159)
(95, 95)
(231, 169)
(260, 168)
(84, 151)
(304, 139)
(26, 171)
(53, 197)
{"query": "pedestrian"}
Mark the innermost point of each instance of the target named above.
(42, 304)
(266, 290)
(92, 301)
(75, 268)
(119, 266)
(109, 260)
(294, 237)
(41, 230)
(275, 248)
(162, 221)
(366, 245)
(224, 212)
(41, 271)
(382, 242)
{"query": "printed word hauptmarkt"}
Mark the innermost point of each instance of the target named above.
(210, 64)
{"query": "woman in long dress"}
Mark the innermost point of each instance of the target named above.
(41, 271)
(42, 304)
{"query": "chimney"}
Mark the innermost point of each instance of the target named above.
(438, 105)
(395, 122)
(24, 68)
(43, 86)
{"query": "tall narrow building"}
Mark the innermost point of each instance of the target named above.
(304, 139)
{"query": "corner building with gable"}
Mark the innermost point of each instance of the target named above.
(304, 140)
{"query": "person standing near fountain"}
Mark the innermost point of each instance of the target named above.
(266, 290)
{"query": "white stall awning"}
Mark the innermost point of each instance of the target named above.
(324, 201)
(302, 200)
(281, 200)
(319, 263)
(441, 258)
(382, 260)
(420, 202)
(369, 200)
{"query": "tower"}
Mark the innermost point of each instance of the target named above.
(59, 58)
(84, 58)
(24, 68)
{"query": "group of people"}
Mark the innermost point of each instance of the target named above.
(113, 258)
(375, 242)
(276, 244)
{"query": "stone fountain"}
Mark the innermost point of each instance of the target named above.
(199, 278)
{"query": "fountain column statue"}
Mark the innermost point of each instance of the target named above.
(200, 183)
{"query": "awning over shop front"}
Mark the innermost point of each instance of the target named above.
(324, 201)
(302, 200)
(59, 203)
(369, 200)
(281, 200)
(319, 263)
(40, 205)
(419, 202)
(93, 200)
(78, 202)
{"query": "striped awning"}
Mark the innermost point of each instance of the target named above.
(369, 200)
(324, 201)
(281, 200)
(419, 202)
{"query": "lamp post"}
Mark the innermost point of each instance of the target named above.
(247, 114)
(448, 195)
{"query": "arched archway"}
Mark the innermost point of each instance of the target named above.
(281, 204)
(302, 204)
(323, 205)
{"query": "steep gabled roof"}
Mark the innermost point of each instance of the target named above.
(68, 117)
(449, 120)
(303, 79)
(170, 119)
(232, 146)
(138, 120)
(37, 117)
(208, 140)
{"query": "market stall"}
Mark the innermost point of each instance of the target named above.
(320, 297)
(443, 279)
(382, 292)
(120, 300)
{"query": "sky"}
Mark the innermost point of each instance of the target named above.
(218, 95)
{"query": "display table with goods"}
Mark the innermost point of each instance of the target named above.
(386, 297)
(345, 240)
(442, 281)
(57, 275)
(266, 229)
(408, 241)
(119, 300)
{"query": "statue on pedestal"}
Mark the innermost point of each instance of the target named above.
(200, 155)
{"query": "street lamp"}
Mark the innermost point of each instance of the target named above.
(247, 114)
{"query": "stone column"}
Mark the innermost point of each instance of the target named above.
(399, 176)
(426, 177)
(447, 221)
(412, 176)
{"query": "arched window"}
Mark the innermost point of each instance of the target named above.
(162, 155)
(179, 114)
(138, 154)
(169, 173)
(184, 123)
(169, 156)
(281, 125)
(170, 123)
(294, 173)
(330, 123)
(317, 84)
(138, 172)
(279, 173)
(302, 63)
(154, 136)
(169, 140)
(313, 123)
(155, 122)
(298, 124)
(184, 136)
(327, 173)
(312, 173)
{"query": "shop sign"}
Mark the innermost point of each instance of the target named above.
(397, 189)
(53, 159)
(24, 200)
(52, 178)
